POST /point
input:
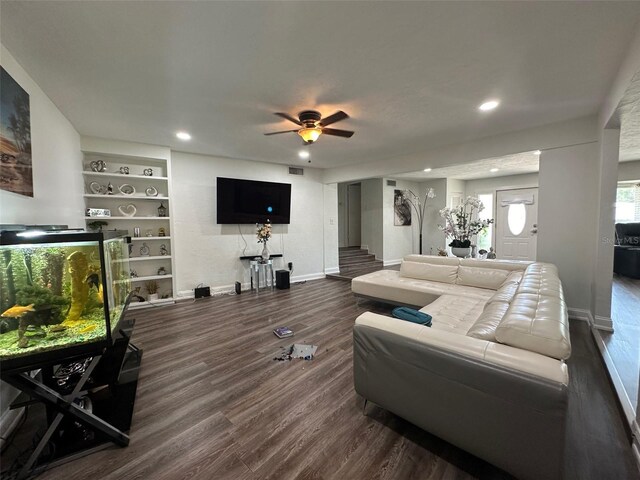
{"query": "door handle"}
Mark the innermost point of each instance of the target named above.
(534, 231)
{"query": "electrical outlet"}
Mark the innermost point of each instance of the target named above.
(290, 265)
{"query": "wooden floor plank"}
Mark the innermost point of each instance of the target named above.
(213, 404)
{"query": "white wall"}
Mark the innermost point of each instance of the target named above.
(207, 252)
(398, 241)
(57, 162)
(57, 183)
(493, 184)
(567, 212)
(629, 171)
(371, 224)
(455, 187)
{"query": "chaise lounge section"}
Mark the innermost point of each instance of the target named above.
(489, 376)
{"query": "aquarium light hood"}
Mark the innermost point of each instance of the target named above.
(31, 233)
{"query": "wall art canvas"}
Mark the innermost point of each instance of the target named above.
(401, 209)
(16, 173)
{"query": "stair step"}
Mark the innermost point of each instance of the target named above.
(372, 266)
(347, 249)
(357, 260)
(352, 253)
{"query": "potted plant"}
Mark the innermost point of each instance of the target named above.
(97, 225)
(263, 233)
(152, 290)
(462, 224)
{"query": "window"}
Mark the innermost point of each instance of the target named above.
(628, 203)
(484, 240)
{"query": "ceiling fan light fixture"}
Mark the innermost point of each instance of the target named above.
(310, 135)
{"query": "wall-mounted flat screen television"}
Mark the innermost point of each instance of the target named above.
(249, 201)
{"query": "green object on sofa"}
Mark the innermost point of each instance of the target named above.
(412, 315)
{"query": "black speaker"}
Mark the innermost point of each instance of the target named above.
(238, 288)
(201, 292)
(282, 279)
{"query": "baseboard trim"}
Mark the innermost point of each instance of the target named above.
(388, 263)
(603, 323)
(246, 286)
(581, 314)
(627, 407)
(635, 448)
(332, 270)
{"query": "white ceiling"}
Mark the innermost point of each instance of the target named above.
(410, 74)
(527, 162)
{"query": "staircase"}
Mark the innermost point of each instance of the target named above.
(355, 262)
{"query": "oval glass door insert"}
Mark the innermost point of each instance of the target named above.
(516, 218)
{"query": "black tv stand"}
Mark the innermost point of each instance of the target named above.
(251, 257)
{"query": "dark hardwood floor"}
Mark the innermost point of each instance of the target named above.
(213, 404)
(624, 344)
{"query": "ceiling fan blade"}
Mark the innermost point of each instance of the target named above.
(284, 131)
(338, 133)
(289, 117)
(336, 117)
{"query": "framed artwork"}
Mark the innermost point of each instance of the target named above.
(401, 209)
(16, 173)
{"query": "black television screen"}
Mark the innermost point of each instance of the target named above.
(249, 201)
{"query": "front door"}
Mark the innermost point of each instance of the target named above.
(517, 224)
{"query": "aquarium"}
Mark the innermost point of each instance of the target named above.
(61, 294)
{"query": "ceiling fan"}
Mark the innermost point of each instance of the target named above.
(313, 125)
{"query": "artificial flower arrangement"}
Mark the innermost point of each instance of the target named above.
(264, 232)
(460, 223)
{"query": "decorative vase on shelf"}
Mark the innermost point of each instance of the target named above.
(461, 252)
(152, 297)
(265, 253)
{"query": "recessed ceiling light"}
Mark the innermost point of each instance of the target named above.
(303, 154)
(427, 169)
(494, 170)
(489, 105)
(183, 136)
(537, 152)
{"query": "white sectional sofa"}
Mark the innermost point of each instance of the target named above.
(489, 375)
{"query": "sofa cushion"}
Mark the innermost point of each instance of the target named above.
(428, 271)
(504, 294)
(510, 265)
(538, 323)
(513, 278)
(487, 323)
(454, 313)
(481, 277)
(542, 279)
(390, 286)
(434, 259)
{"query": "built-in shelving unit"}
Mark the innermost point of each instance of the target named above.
(149, 231)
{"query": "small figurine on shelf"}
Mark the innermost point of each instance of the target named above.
(162, 232)
(148, 233)
(124, 170)
(162, 271)
(98, 166)
(136, 231)
(133, 273)
(144, 250)
(109, 189)
(162, 210)
(163, 250)
(492, 254)
(148, 172)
